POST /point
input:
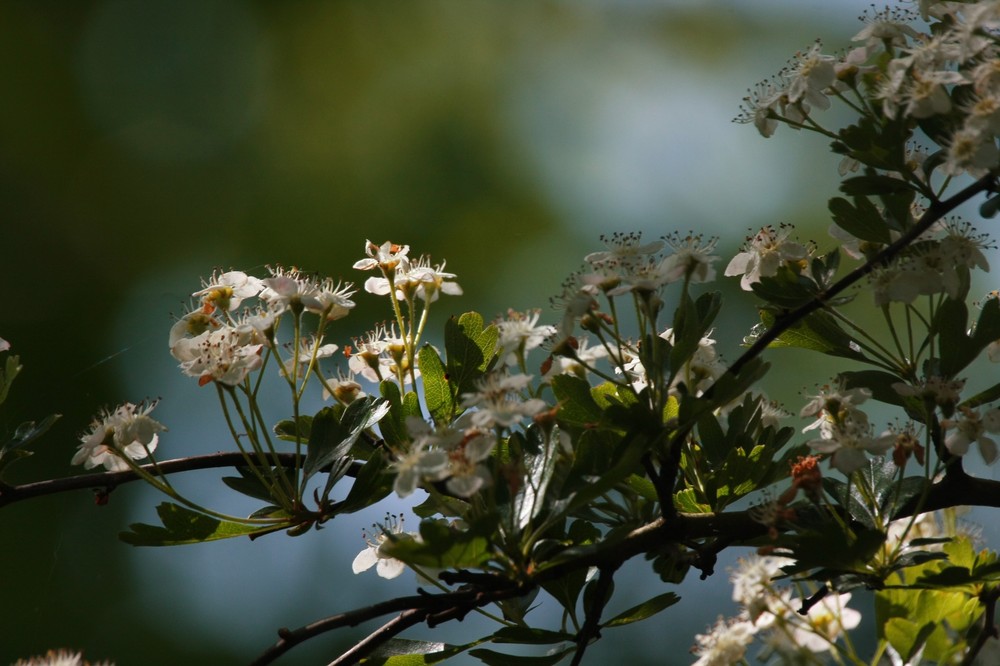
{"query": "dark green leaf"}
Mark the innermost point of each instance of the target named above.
(373, 483)
(880, 383)
(393, 427)
(566, 589)
(183, 526)
(712, 439)
(248, 484)
(326, 439)
(990, 207)
(956, 349)
(442, 547)
(331, 439)
(491, 658)
(861, 221)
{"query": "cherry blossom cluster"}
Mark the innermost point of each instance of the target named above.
(405, 277)
(948, 74)
(60, 658)
(844, 430)
(772, 614)
(219, 342)
(455, 454)
(127, 432)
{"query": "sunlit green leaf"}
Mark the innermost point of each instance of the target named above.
(437, 390)
(577, 406)
(685, 501)
(644, 610)
(819, 332)
(471, 349)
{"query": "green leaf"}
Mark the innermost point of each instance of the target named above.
(786, 289)
(686, 501)
(861, 219)
(182, 526)
(286, 430)
(438, 392)
(491, 658)
(644, 610)
(907, 637)
(642, 487)
(586, 490)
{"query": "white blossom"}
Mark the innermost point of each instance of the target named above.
(126, 431)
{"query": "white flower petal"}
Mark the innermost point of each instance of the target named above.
(365, 560)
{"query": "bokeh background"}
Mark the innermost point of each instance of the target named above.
(143, 144)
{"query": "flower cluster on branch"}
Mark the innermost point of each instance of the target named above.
(542, 457)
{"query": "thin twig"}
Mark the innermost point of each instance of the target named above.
(735, 527)
(370, 643)
(433, 608)
(108, 481)
(591, 629)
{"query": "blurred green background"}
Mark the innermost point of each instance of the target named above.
(143, 144)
